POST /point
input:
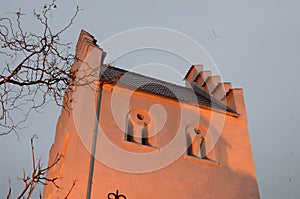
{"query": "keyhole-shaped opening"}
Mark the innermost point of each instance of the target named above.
(140, 116)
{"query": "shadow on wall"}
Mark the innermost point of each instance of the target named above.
(241, 184)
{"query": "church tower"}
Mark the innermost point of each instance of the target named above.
(130, 136)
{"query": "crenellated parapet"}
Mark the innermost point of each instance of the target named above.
(192, 74)
(213, 85)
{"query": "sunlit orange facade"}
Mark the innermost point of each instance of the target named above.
(132, 136)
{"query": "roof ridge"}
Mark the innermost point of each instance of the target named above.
(211, 102)
(139, 74)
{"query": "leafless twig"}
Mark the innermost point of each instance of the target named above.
(70, 190)
(34, 68)
(37, 176)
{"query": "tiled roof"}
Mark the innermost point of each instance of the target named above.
(158, 87)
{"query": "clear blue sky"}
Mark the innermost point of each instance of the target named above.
(255, 45)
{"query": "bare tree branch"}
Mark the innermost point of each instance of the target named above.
(70, 190)
(9, 189)
(34, 68)
(37, 176)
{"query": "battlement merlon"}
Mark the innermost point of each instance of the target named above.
(213, 85)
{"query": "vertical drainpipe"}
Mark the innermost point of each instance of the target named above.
(95, 133)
